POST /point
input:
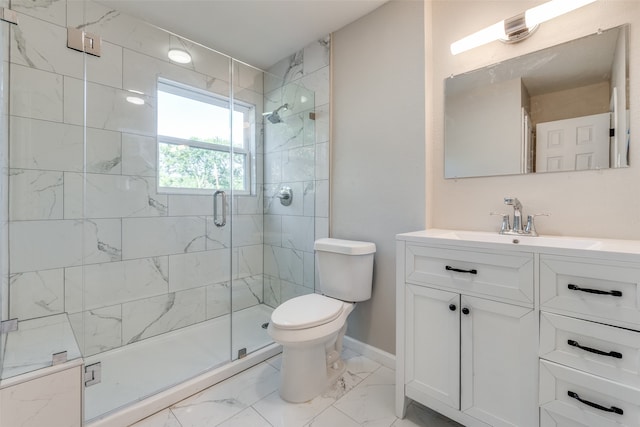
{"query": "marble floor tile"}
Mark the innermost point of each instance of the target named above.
(363, 396)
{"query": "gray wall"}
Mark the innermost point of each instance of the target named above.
(378, 151)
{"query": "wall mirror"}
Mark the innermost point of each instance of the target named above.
(563, 108)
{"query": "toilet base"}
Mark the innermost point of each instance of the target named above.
(309, 363)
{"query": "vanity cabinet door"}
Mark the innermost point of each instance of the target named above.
(498, 362)
(432, 367)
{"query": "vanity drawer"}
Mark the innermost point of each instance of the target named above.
(604, 403)
(500, 274)
(605, 291)
(580, 344)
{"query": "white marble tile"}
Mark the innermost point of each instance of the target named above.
(246, 76)
(290, 290)
(271, 291)
(298, 232)
(217, 237)
(298, 164)
(108, 68)
(107, 108)
(139, 155)
(248, 261)
(40, 45)
(43, 245)
(331, 417)
(153, 316)
(284, 414)
(36, 94)
(246, 418)
(247, 230)
(272, 205)
(41, 144)
(146, 237)
(372, 401)
(323, 128)
(190, 205)
(218, 300)
(246, 292)
(101, 285)
(102, 240)
(161, 419)
(199, 269)
(98, 330)
(322, 161)
(273, 167)
(273, 230)
(286, 264)
(309, 270)
(322, 199)
(317, 55)
(309, 199)
(227, 399)
(288, 69)
(250, 205)
(35, 195)
(51, 400)
(316, 83)
(104, 151)
(54, 11)
(36, 294)
(359, 365)
(111, 196)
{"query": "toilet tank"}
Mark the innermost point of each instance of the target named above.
(345, 268)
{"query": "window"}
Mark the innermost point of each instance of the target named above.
(195, 130)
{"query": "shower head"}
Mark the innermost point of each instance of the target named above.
(274, 117)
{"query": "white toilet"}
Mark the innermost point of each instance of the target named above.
(311, 327)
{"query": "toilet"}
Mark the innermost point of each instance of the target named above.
(311, 327)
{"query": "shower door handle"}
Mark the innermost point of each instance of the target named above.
(216, 221)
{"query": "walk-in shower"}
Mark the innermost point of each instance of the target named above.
(113, 250)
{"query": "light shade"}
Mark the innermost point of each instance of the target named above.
(180, 56)
(532, 17)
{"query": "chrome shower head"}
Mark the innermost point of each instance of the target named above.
(274, 117)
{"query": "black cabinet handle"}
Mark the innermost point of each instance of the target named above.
(452, 307)
(465, 310)
(594, 291)
(458, 270)
(595, 405)
(614, 354)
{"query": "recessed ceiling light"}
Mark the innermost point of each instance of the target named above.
(180, 56)
(135, 100)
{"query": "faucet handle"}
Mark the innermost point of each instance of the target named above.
(505, 226)
(530, 228)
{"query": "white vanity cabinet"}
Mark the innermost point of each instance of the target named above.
(469, 332)
(500, 331)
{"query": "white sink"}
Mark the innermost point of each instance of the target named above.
(543, 241)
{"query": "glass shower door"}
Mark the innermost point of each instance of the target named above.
(156, 291)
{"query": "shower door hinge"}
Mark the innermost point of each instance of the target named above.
(7, 326)
(84, 42)
(92, 374)
(8, 15)
(242, 353)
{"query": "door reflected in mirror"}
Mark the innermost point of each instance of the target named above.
(563, 108)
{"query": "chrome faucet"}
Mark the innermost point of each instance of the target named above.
(517, 215)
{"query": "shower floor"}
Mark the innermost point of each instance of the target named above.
(139, 370)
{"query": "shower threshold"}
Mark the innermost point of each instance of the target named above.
(136, 371)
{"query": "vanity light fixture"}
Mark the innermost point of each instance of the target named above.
(518, 27)
(180, 56)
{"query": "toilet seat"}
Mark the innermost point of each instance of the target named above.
(306, 311)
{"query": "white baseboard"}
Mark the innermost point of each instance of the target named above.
(371, 352)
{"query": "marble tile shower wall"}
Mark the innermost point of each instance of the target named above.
(296, 155)
(123, 261)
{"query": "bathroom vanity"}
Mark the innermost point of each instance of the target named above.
(496, 330)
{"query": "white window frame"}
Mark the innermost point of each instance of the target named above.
(248, 144)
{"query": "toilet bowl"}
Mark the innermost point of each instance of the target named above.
(311, 327)
(312, 342)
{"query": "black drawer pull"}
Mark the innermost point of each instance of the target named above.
(595, 405)
(458, 270)
(595, 291)
(593, 350)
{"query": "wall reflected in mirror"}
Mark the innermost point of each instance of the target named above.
(563, 108)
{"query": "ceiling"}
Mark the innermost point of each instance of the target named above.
(258, 32)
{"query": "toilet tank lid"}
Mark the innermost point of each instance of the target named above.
(347, 247)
